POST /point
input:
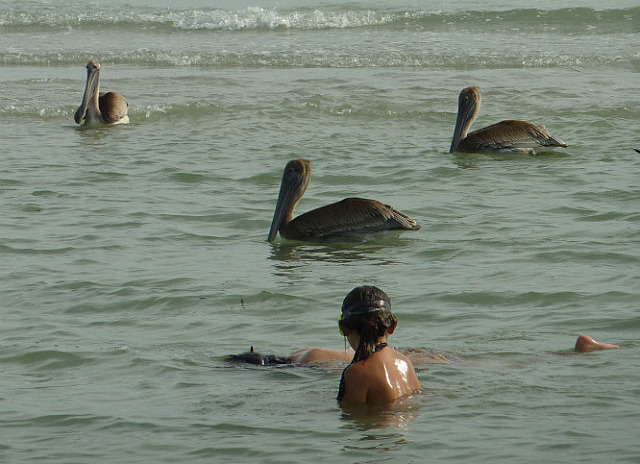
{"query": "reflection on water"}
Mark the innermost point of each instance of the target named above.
(380, 443)
(96, 138)
(286, 251)
(476, 160)
(398, 415)
(295, 261)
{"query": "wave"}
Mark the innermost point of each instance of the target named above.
(253, 18)
(48, 359)
(585, 20)
(354, 57)
(38, 112)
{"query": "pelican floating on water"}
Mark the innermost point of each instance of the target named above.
(347, 220)
(96, 107)
(505, 136)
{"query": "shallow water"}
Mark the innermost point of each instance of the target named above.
(135, 256)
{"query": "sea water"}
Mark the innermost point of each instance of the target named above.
(135, 257)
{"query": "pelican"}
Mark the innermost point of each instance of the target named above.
(505, 136)
(351, 219)
(96, 107)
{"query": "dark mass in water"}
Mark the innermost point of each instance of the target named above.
(251, 357)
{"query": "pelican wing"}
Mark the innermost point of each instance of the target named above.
(510, 135)
(113, 107)
(351, 218)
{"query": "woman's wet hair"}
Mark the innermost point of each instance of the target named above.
(367, 310)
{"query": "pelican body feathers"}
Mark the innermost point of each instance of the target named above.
(351, 219)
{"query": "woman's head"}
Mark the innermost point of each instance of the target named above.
(367, 310)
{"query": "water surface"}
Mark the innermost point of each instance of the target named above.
(135, 256)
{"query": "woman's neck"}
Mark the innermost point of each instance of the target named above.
(379, 346)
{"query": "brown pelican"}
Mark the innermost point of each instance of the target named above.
(105, 108)
(347, 220)
(505, 136)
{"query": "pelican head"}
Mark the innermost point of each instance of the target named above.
(89, 109)
(295, 181)
(468, 107)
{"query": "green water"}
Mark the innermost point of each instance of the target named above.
(135, 257)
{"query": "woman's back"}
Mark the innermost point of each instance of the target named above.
(382, 378)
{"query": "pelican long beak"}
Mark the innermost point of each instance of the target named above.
(468, 106)
(90, 91)
(282, 206)
(465, 113)
(457, 133)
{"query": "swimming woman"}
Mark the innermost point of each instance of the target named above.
(377, 373)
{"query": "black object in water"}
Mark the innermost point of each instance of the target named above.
(252, 357)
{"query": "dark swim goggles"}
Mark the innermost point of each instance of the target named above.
(361, 308)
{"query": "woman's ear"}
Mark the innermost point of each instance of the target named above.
(343, 330)
(392, 328)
